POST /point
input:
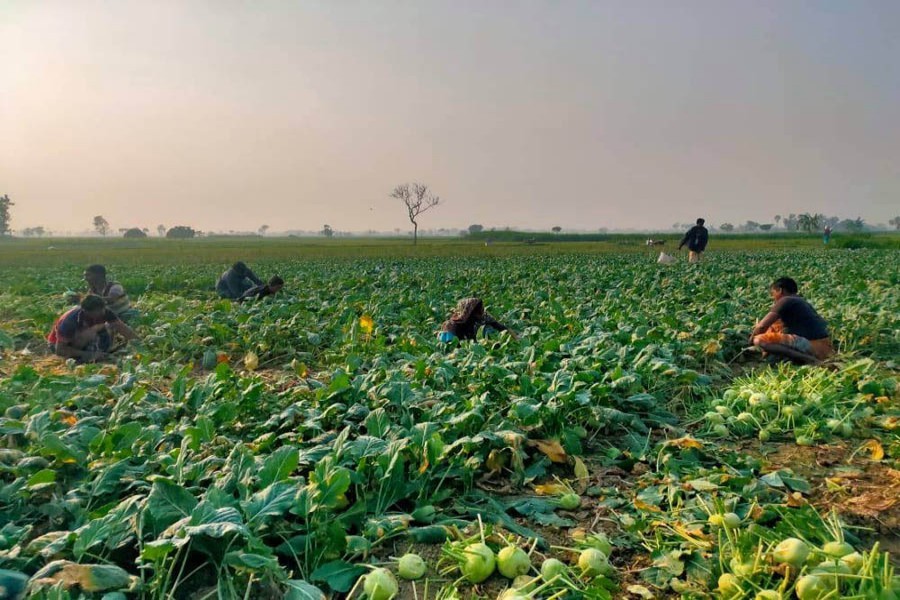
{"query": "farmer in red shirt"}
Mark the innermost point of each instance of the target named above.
(83, 333)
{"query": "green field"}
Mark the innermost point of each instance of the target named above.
(283, 449)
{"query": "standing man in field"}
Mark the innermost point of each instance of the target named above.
(696, 239)
(236, 280)
(792, 328)
(83, 332)
(826, 235)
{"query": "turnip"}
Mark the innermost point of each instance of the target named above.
(552, 568)
(411, 566)
(832, 567)
(714, 418)
(720, 430)
(791, 551)
(731, 521)
(479, 562)
(593, 563)
(837, 549)
(742, 569)
(758, 399)
(768, 595)
(380, 584)
(569, 501)
(745, 417)
(811, 587)
(512, 562)
(854, 561)
(729, 584)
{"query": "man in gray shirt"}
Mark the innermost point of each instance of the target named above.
(236, 280)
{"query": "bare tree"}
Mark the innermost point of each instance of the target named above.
(161, 230)
(556, 229)
(263, 229)
(327, 231)
(417, 200)
(101, 225)
(895, 221)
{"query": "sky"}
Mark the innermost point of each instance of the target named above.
(226, 115)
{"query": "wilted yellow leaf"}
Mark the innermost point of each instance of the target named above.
(551, 489)
(685, 442)
(69, 420)
(551, 449)
(711, 348)
(496, 460)
(875, 447)
(366, 324)
(581, 471)
(641, 505)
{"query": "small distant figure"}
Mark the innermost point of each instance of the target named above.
(696, 239)
(826, 234)
(468, 316)
(83, 332)
(236, 280)
(792, 328)
(261, 291)
(111, 292)
(652, 242)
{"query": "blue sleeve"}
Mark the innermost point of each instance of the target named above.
(68, 327)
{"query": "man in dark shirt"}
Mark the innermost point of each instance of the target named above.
(696, 239)
(792, 327)
(261, 291)
(236, 280)
(83, 333)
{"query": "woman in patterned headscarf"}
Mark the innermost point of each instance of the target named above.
(466, 319)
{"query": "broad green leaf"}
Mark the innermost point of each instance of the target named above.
(339, 575)
(273, 501)
(300, 590)
(278, 465)
(168, 503)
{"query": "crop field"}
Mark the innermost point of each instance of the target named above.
(628, 445)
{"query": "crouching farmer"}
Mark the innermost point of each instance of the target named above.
(792, 328)
(84, 332)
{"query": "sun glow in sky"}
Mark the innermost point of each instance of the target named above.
(227, 115)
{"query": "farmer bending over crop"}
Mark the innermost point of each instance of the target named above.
(696, 239)
(261, 291)
(792, 328)
(236, 280)
(112, 292)
(83, 332)
(468, 316)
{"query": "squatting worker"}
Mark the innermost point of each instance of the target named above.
(792, 328)
(468, 316)
(236, 280)
(83, 332)
(696, 239)
(112, 292)
(261, 291)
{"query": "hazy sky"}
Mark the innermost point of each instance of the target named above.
(635, 113)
